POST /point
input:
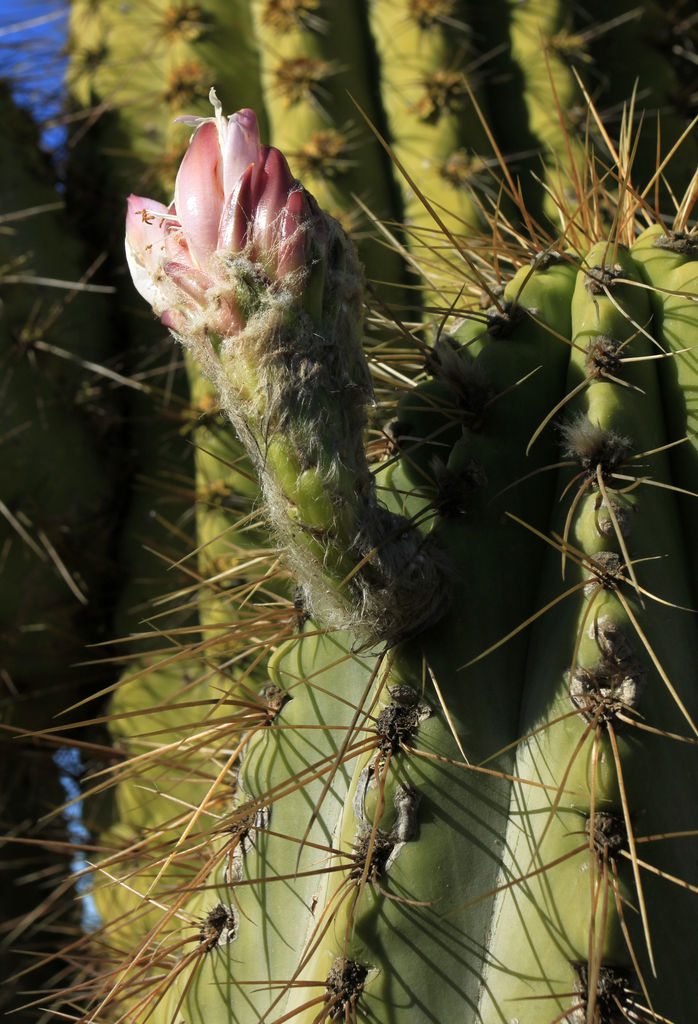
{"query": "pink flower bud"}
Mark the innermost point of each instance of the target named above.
(233, 198)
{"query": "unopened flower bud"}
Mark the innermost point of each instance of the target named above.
(266, 291)
(234, 198)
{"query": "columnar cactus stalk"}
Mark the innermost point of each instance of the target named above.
(130, 73)
(658, 94)
(618, 667)
(55, 528)
(316, 78)
(51, 579)
(424, 52)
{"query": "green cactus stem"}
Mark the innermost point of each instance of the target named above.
(617, 668)
(424, 54)
(54, 335)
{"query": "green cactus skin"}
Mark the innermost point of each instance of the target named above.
(139, 70)
(614, 72)
(449, 843)
(171, 51)
(315, 76)
(667, 261)
(128, 71)
(539, 32)
(52, 593)
(145, 66)
(423, 53)
(484, 882)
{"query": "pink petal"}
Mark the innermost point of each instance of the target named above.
(273, 190)
(291, 240)
(192, 281)
(145, 223)
(237, 215)
(242, 147)
(247, 119)
(146, 227)
(199, 192)
(175, 320)
(176, 248)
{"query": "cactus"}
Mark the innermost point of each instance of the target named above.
(362, 831)
(55, 528)
(48, 391)
(414, 763)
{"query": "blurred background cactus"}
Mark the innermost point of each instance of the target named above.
(479, 805)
